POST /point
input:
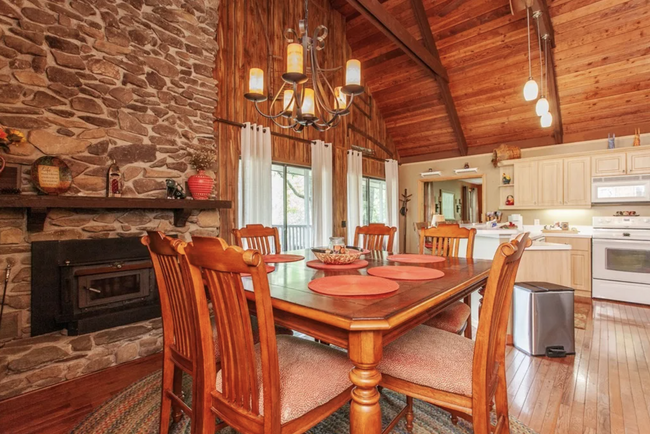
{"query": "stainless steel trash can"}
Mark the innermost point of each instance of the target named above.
(543, 317)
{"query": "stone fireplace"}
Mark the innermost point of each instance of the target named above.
(91, 82)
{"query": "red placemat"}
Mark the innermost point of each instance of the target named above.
(406, 273)
(276, 259)
(318, 265)
(269, 269)
(353, 285)
(416, 259)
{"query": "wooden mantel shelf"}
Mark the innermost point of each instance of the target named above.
(37, 206)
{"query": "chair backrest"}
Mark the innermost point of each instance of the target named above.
(257, 237)
(375, 236)
(221, 266)
(489, 349)
(185, 314)
(446, 240)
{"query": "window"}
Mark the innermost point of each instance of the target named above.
(292, 205)
(448, 205)
(374, 201)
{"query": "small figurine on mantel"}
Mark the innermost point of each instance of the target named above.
(637, 137)
(174, 190)
(115, 182)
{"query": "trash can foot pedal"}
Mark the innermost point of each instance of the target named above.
(555, 352)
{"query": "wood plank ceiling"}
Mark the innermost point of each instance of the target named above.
(602, 56)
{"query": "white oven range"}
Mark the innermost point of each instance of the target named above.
(621, 259)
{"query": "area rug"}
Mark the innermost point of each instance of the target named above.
(581, 312)
(136, 410)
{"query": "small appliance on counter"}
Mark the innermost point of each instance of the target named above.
(516, 219)
(543, 319)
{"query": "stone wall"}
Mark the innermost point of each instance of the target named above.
(96, 81)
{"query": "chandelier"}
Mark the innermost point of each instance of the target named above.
(307, 97)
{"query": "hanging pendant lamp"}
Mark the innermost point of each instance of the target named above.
(531, 90)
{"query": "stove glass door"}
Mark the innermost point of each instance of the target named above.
(625, 261)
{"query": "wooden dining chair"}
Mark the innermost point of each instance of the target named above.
(375, 236)
(258, 237)
(277, 386)
(449, 371)
(186, 324)
(445, 241)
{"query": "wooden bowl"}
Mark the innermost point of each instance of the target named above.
(328, 257)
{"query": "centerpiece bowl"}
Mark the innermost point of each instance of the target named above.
(328, 256)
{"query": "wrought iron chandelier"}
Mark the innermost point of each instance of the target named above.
(306, 92)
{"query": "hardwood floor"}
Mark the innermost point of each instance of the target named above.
(603, 389)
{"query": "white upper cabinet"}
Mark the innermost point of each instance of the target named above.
(577, 181)
(608, 164)
(526, 182)
(638, 162)
(550, 183)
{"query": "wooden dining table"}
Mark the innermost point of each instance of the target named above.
(365, 325)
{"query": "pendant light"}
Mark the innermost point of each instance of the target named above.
(531, 89)
(546, 120)
(542, 105)
(546, 116)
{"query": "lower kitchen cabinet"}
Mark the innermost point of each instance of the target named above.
(580, 263)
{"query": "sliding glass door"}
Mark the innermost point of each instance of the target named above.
(292, 205)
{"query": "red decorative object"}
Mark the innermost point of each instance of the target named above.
(406, 273)
(200, 185)
(416, 259)
(353, 285)
(318, 265)
(277, 259)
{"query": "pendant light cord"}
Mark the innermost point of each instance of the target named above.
(541, 65)
(546, 64)
(530, 61)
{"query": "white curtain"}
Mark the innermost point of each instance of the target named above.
(392, 199)
(256, 174)
(355, 193)
(321, 173)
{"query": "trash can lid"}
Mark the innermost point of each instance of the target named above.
(542, 286)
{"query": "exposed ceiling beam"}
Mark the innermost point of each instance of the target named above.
(377, 14)
(430, 44)
(546, 28)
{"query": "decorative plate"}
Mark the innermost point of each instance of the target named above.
(51, 175)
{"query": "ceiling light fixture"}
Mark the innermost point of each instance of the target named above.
(310, 99)
(542, 105)
(546, 116)
(531, 90)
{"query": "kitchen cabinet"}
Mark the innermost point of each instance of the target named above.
(580, 263)
(608, 164)
(526, 183)
(550, 183)
(577, 181)
(638, 162)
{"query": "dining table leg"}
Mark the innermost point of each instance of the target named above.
(365, 352)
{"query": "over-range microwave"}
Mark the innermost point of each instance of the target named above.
(620, 189)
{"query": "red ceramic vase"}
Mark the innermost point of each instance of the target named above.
(200, 185)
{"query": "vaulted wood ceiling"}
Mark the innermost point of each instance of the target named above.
(602, 59)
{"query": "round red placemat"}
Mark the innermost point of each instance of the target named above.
(353, 285)
(276, 259)
(406, 273)
(416, 259)
(269, 269)
(318, 265)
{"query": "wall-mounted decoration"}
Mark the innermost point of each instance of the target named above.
(174, 190)
(637, 137)
(51, 175)
(115, 183)
(505, 152)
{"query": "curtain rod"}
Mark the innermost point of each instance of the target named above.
(273, 133)
(370, 157)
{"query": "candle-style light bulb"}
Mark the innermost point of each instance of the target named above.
(340, 99)
(289, 101)
(256, 82)
(294, 58)
(353, 73)
(308, 106)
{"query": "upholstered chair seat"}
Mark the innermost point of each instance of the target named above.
(279, 330)
(453, 319)
(432, 358)
(311, 375)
